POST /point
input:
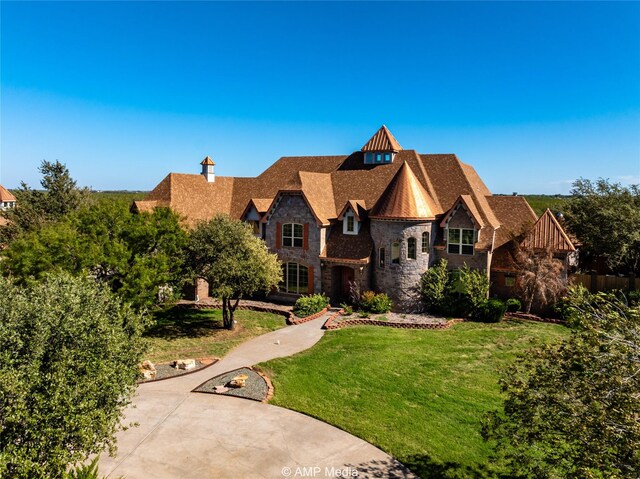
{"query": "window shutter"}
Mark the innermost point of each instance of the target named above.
(278, 235)
(311, 290)
(305, 237)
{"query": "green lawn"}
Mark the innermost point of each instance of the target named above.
(540, 203)
(418, 395)
(198, 333)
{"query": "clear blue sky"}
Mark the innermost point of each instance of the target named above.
(533, 95)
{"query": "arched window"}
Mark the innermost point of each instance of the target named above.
(295, 278)
(395, 253)
(292, 235)
(411, 248)
(425, 242)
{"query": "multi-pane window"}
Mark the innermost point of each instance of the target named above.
(295, 278)
(425, 242)
(382, 257)
(411, 248)
(351, 224)
(509, 281)
(460, 241)
(378, 157)
(292, 234)
(395, 253)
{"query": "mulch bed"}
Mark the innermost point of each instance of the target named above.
(167, 371)
(255, 388)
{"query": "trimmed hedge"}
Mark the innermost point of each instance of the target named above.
(371, 302)
(308, 305)
(492, 311)
(513, 305)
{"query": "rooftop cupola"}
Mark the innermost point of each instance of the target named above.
(381, 148)
(207, 169)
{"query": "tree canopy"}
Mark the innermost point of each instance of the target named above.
(606, 219)
(571, 410)
(68, 356)
(35, 208)
(234, 262)
(135, 254)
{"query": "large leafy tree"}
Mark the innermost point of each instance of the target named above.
(234, 262)
(606, 219)
(571, 409)
(35, 208)
(68, 356)
(135, 254)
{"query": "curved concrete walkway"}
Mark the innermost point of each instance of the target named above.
(191, 435)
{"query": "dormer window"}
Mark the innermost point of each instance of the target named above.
(378, 157)
(350, 224)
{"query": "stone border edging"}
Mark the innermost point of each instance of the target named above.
(186, 373)
(330, 325)
(533, 317)
(296, 320)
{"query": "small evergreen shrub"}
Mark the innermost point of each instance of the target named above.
(308, 305)
(364, 314)
(513, 305)
(375, 303)
(433, 287)
(491, 311)
(347, 309)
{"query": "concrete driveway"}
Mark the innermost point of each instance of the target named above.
(192, 435)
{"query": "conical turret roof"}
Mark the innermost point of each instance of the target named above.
(383, 140)
(404, 199)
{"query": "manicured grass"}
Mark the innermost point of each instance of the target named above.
(198, 333)
(418, 395)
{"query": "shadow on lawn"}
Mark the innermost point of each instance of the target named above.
(421, 466)
(178, 323)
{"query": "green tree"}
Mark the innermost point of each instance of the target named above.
(233, 261)
(68, 356)
(571, 410)
(35, 208)
(606, 219)
(136, 254)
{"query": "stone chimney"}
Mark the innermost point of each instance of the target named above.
(207, 169)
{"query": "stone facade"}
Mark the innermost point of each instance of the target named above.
(292, 208)
(400, 280)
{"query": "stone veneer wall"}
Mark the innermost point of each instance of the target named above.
(400, 281)
(293, 209)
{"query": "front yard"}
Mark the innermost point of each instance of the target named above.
(418, 395)
(198, 333)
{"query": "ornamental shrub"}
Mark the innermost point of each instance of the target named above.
(375, 303)
(491, 311)
(471, 287)
(433, 287)
(308, 305)
(513, 305)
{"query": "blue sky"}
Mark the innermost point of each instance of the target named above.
(533, 95)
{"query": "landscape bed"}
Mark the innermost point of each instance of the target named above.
(418, 395)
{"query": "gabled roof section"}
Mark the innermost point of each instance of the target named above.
(207, 161)
(547, 232)
(383, 140)
(467, 203)
(404, 199)
(357, 206)
(5, 194)
(260, 204)
(515, 216)
(317, 188)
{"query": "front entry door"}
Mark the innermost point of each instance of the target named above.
(347, 278)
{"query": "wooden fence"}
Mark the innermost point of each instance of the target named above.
(604, 282)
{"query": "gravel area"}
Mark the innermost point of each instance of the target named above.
(255, 388)
(166, 370)
(412, 318)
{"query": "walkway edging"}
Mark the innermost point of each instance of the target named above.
(330, 325)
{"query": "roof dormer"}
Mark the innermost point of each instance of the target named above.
(381, 148)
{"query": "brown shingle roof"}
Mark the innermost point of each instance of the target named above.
(383, 140)
(514, 215)
(404, 199)
(5, 194)
(350, 247)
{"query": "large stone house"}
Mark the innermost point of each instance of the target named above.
(378, 217)
(7, 201)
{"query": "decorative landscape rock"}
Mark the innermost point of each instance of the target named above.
(148, 370)
(238, 381)
(185, 364)
(255, 386)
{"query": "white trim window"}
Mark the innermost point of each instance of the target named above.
(292, 235)
(295, 278)
(460, 241)
(395, 252)
(425, 242)
(350, 224)
(412, 246)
